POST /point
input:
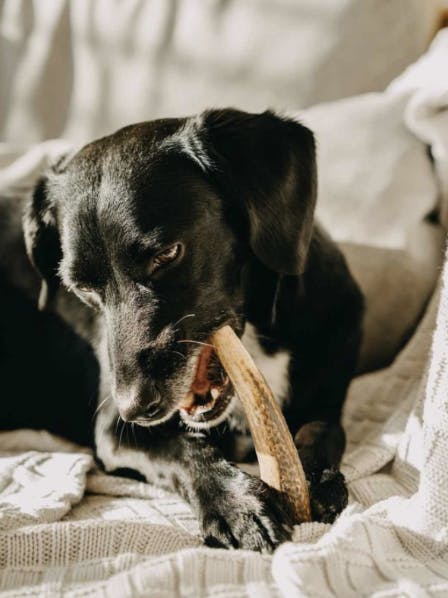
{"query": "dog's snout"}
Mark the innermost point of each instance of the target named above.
(144, 364)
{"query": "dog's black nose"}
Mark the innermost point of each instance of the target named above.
(134, 410)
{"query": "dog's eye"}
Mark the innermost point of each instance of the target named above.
(167, 256)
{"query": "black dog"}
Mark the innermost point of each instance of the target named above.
(160, 234)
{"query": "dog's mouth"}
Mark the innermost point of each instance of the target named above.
(210, 393)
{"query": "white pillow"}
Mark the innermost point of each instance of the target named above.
(375, 177)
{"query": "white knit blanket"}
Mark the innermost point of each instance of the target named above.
(66, 528)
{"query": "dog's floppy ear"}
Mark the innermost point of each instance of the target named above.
(42, 241)
(267, 165)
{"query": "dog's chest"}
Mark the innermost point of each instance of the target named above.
(273, 366)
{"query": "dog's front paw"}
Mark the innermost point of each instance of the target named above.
(328, 495)
(243, 512)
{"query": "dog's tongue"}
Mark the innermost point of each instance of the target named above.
(201, 383)
(198, 392)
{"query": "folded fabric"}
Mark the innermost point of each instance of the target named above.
(38, 487)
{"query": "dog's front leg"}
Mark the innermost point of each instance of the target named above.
(321, 445)
(234, 509)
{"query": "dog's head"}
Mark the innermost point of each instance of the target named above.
(153, 226)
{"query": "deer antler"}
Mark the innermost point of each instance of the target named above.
(279, 462)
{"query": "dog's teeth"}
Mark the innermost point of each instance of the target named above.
(215, 393)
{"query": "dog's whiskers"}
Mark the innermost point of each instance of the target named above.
(121, 434)
(133, 433)
(185, 340)
(178, 353)
(101, 405)
(183, 318)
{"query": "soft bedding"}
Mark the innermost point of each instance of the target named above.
(66, 528)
